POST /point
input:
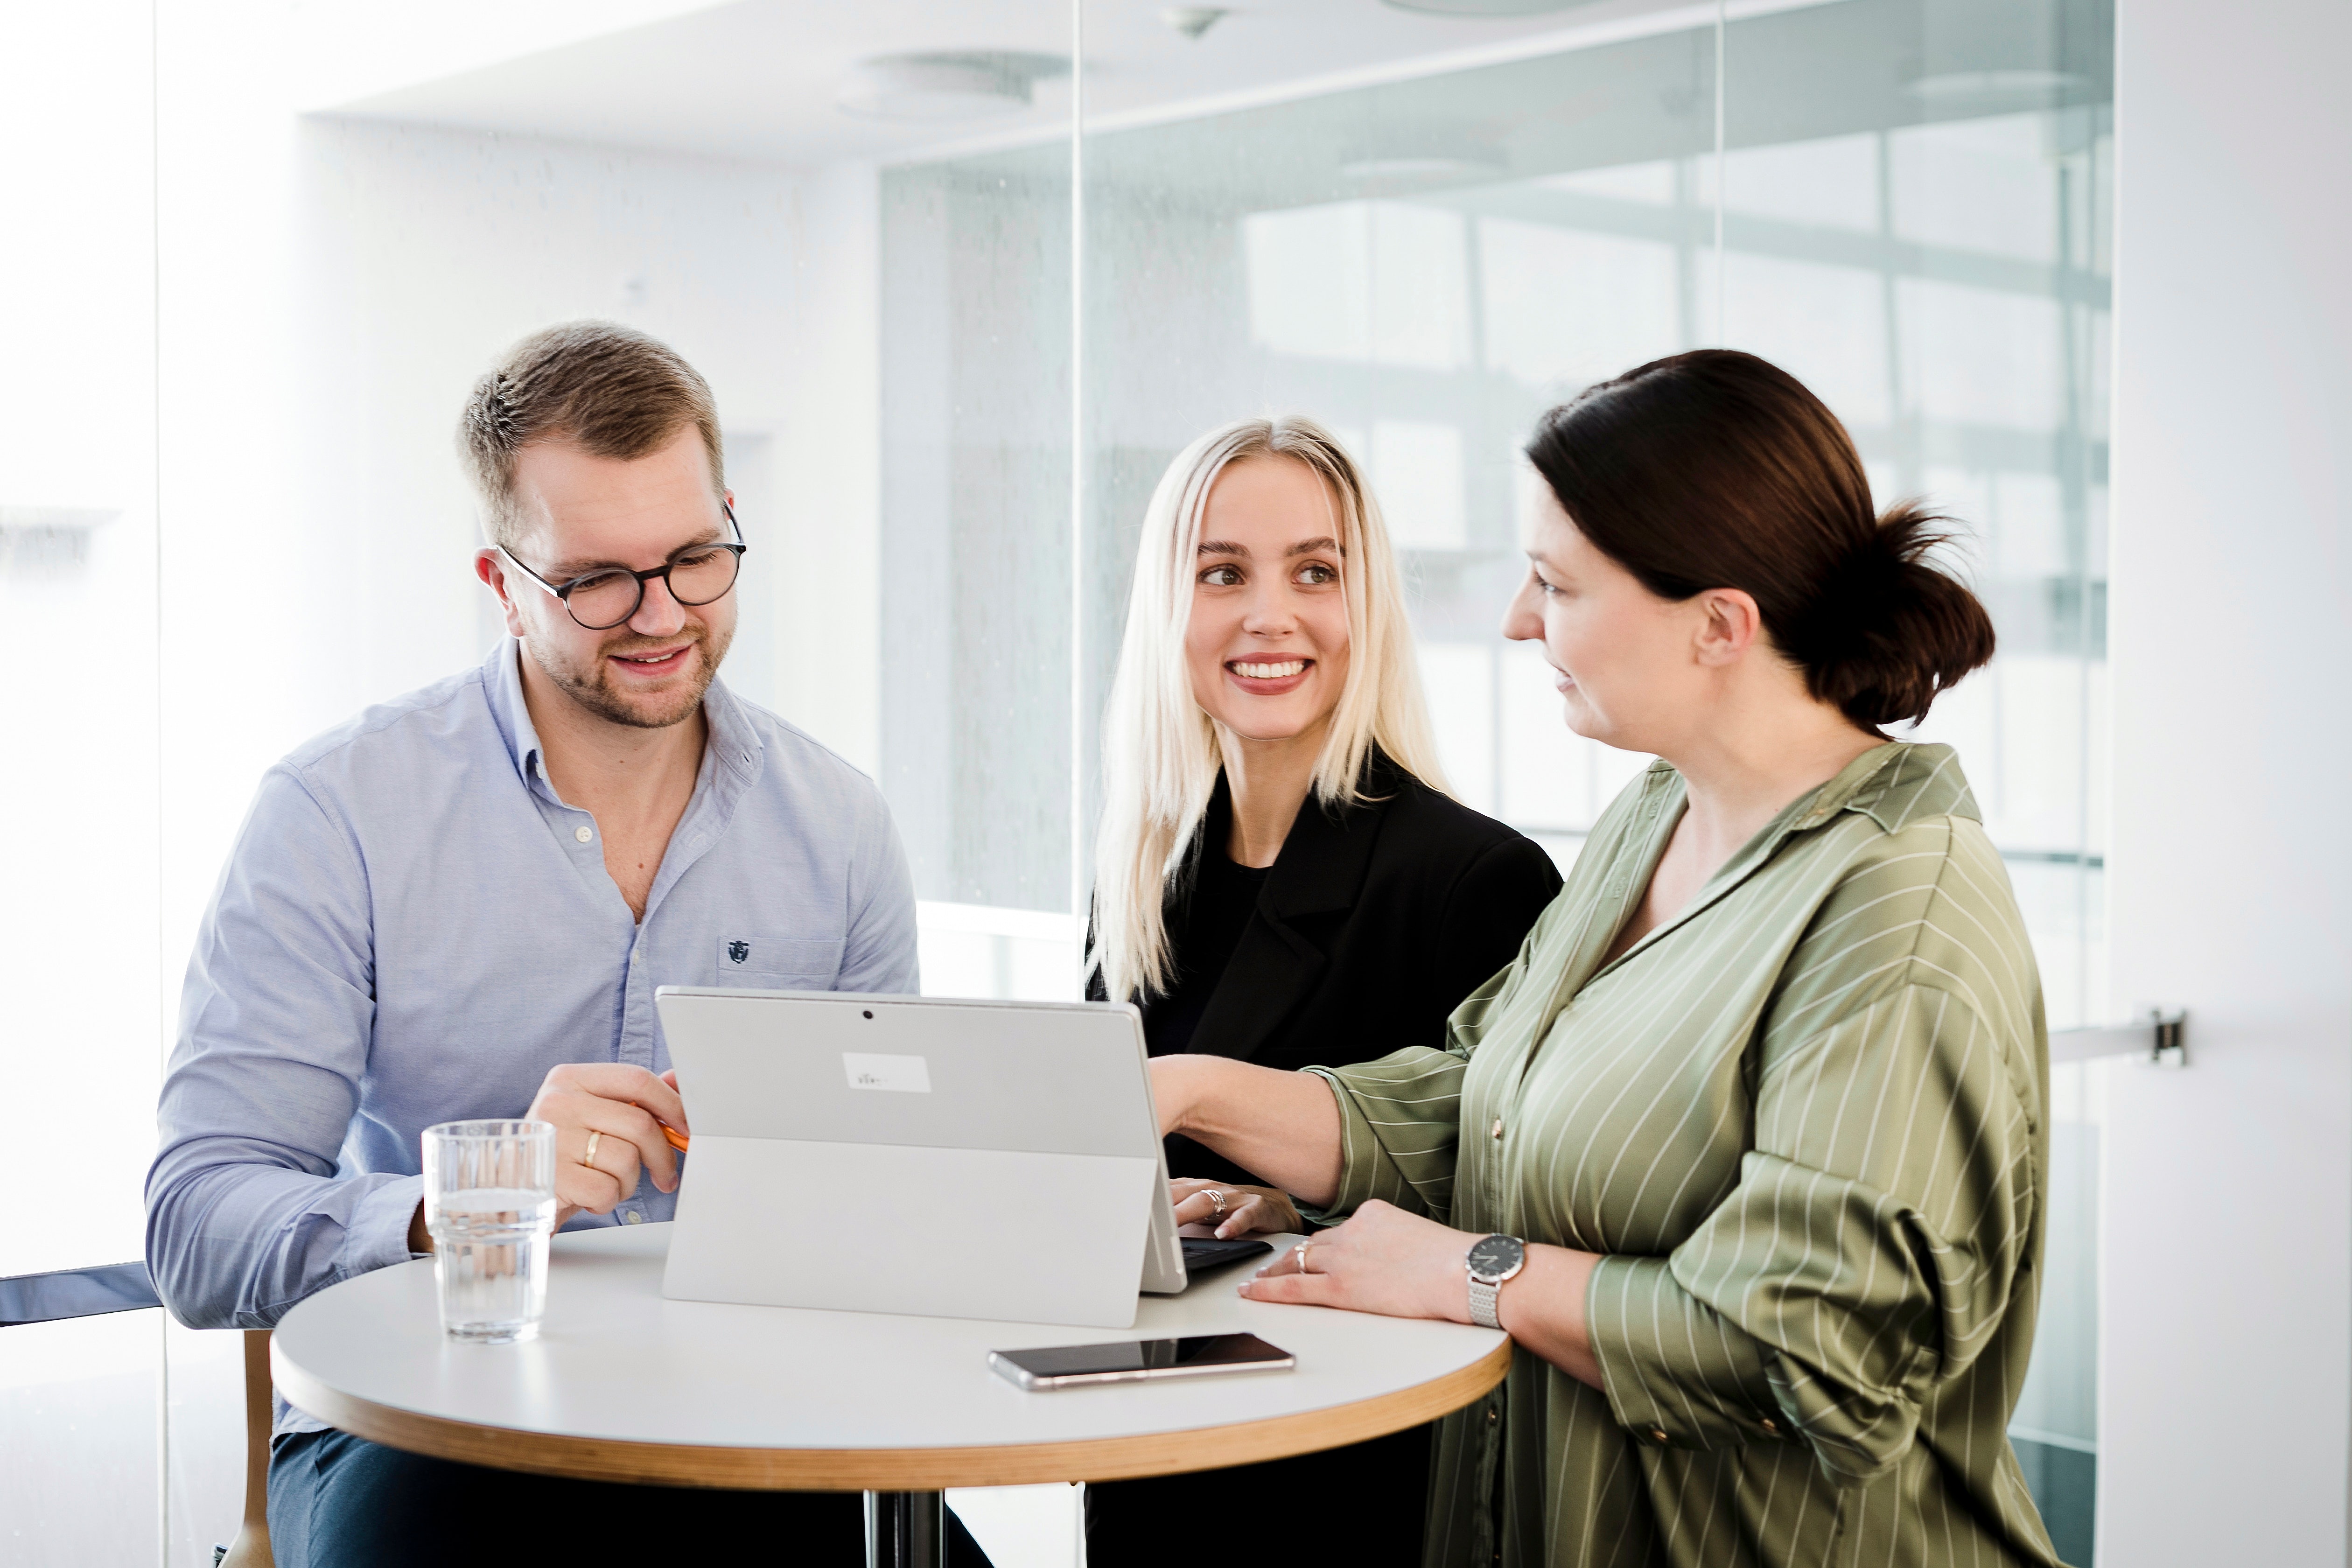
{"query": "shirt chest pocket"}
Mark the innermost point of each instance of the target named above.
(778, 962)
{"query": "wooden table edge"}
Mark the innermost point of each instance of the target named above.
(890, 1470)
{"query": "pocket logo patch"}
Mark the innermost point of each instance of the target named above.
(736, 952)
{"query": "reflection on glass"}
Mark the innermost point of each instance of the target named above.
(975, 524)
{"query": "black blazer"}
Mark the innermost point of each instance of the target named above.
(1373, 925)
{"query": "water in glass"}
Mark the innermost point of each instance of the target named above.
(489, 1201)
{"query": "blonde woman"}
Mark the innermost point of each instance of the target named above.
(1282, 877)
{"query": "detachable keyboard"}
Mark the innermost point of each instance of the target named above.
(1202, 1253)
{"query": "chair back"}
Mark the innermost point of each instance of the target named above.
(251, 1548)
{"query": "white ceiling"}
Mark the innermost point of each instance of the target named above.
(756, 79)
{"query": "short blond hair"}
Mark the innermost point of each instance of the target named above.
(610, 389)
(1160, 750)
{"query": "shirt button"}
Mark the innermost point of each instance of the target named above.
(635, 1219)
(635, 953)
(583, 834)
(1497, 1128)
(1657, 1434)
(1770, 1426)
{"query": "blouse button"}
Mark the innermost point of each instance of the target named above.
(1498, 1127)
(1770, 1426)
(1657, 1434)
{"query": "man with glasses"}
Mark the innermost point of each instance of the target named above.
(458, 905)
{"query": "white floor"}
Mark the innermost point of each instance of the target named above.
(1023, 1527)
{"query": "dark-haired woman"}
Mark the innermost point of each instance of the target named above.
(1745, 1150)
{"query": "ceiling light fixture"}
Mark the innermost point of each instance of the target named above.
(1425, 153)
(1193, 20)
(968, 85)
(1484, 7)
(1412, 168)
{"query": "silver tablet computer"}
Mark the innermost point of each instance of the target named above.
(912, 1154)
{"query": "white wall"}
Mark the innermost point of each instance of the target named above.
(2228, 1284)
(331, 289)
(78, 1023)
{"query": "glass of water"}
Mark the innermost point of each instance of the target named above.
(489, 1201)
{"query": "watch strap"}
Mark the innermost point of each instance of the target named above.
(1483, 1295)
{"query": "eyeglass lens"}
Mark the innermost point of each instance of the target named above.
(609, 598)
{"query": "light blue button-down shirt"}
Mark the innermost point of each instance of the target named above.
(414, 928)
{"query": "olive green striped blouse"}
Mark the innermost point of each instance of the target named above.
(1803, 1121)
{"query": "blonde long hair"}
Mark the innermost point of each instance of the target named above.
(1161, 752)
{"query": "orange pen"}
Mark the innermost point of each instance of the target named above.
(671, 1135)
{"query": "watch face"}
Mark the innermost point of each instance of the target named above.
(1493, 1257)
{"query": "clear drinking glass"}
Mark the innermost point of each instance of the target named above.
(489, 1201)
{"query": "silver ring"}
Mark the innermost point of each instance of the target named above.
(1299, 1252)
(589, 1158)
(1216, 1201)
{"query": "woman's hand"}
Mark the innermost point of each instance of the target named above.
(1382, 1260)
(1234, 1210)
(1388, 1261)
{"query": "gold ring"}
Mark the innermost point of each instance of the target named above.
(589, 1158)
(1299, 1252)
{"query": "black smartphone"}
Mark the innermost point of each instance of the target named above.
(1132, 1361)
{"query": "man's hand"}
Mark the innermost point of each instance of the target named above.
(623, 1109)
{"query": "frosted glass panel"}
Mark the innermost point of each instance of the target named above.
(81, 1412)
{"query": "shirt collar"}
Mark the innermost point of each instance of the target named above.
(734, 745)
(502, 685)
(1894, 784)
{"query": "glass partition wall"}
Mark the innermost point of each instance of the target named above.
(1904, 204)
(958, 314)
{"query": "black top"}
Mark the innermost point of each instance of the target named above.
(1224, 896)
(1369, 929)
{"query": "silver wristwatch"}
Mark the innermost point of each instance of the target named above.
(1492, 1260)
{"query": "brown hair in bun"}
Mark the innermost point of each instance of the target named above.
(1717, 470)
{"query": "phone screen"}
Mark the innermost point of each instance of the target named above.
(1123, 1360)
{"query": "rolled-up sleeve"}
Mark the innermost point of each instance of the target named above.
(246, 1212)
(1399, 1124)
(1401, 1116)
(1867, 1254)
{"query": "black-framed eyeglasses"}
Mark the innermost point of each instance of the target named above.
(699, 574)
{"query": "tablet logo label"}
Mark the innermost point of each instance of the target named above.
(898, 1074)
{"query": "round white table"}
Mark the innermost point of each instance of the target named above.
(624, 1385)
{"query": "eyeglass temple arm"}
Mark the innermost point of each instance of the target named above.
(550, 589)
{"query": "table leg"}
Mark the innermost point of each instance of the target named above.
(906, 1530)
